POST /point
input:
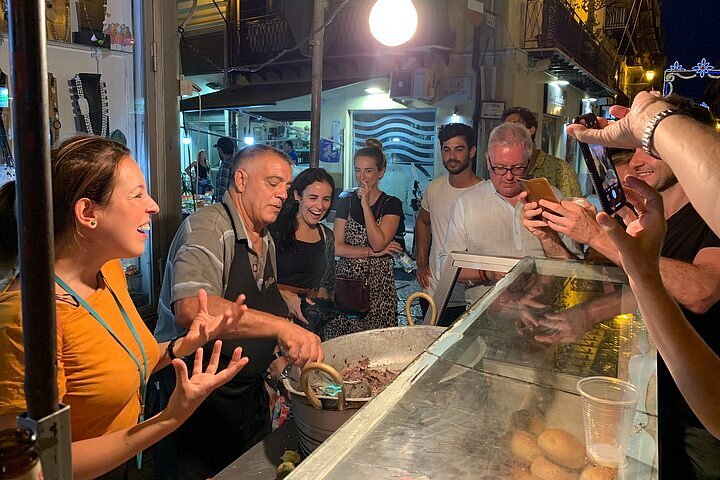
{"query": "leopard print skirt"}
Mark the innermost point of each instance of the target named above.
(381, 282)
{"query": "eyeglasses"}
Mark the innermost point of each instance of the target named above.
(516, 170)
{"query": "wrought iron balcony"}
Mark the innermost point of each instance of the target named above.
(259, 39)
(615, 17)
(554, 30)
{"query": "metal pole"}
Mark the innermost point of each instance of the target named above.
(28, 80)
(28, 83)
(316, 86)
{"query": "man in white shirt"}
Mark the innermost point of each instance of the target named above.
(457, 146)
(487, 219)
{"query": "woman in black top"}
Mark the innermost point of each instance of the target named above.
(305, 247)
(365, 224)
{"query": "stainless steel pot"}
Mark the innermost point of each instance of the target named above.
(318, 416)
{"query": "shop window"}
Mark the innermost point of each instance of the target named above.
(408, 139)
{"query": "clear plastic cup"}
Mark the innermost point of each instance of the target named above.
(608, 413)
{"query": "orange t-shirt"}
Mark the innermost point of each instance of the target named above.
(12, 361)
(100, 382)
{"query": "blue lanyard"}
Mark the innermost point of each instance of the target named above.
(142, 369)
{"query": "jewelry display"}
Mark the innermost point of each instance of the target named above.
(91, 19)
(119, 136)
(4, 16)
(54, 18)
(91, 98)
(55, 124)
(120, 36)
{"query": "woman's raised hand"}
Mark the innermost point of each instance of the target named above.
(191, 391)
(206, 327)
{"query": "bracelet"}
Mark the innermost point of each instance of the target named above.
(648, 140)
(484, 280)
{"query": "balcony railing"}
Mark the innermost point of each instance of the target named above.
(259, 39)
(615, 17)
(263, 37)
(553, 24)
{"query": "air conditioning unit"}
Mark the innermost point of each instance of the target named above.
(418, 83)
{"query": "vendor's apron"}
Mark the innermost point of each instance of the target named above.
(237, 415)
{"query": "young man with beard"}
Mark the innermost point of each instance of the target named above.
(486, 220)
(457, 147)
(690, 270)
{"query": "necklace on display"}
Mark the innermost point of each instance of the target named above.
(94, 38)
(84, 107)
(51, 17)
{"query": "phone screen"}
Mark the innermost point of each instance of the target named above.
(604, 177)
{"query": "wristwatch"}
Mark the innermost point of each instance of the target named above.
(648, 140)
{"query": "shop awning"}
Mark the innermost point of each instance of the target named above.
(254, 95)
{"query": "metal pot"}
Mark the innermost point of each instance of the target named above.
(318, 416)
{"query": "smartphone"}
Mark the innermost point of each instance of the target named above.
(603, 174)
(538, 189)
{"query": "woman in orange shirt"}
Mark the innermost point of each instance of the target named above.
(105, 352)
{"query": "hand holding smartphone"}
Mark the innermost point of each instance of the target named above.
(538, 189)
(601, 168)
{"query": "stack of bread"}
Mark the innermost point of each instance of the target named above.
(542, 453)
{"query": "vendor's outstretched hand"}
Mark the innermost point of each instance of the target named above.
(190, 392)
(639, 246)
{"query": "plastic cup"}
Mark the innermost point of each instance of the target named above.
(608, 413)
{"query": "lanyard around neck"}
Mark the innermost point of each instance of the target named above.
(142, 369)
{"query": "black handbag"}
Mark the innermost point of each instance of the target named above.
(352, 295)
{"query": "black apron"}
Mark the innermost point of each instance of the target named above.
(237, 415)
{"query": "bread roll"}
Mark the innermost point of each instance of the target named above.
(524, 420)
(518, 473)
(524, 447)
(547, 470)
(593, 472)
(562, 447)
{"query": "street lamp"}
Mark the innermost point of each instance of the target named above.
(393, 22)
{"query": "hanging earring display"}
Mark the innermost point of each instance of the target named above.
(91, 100)
(55, 124)
(91, 19)
(57, 16)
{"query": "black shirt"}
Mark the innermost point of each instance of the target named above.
(687, 234)
(391, 206)
(303, 268)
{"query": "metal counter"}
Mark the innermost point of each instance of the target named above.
(522, 346)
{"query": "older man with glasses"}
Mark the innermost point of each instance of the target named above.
(487, 219)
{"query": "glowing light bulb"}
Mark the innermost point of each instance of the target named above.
(393, 22)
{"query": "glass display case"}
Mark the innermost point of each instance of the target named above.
(512, 360)
(92, 43)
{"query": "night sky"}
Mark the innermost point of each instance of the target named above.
(691, 33)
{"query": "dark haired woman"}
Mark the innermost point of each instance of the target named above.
(105, 353)
(306, 248)
(365, 225)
